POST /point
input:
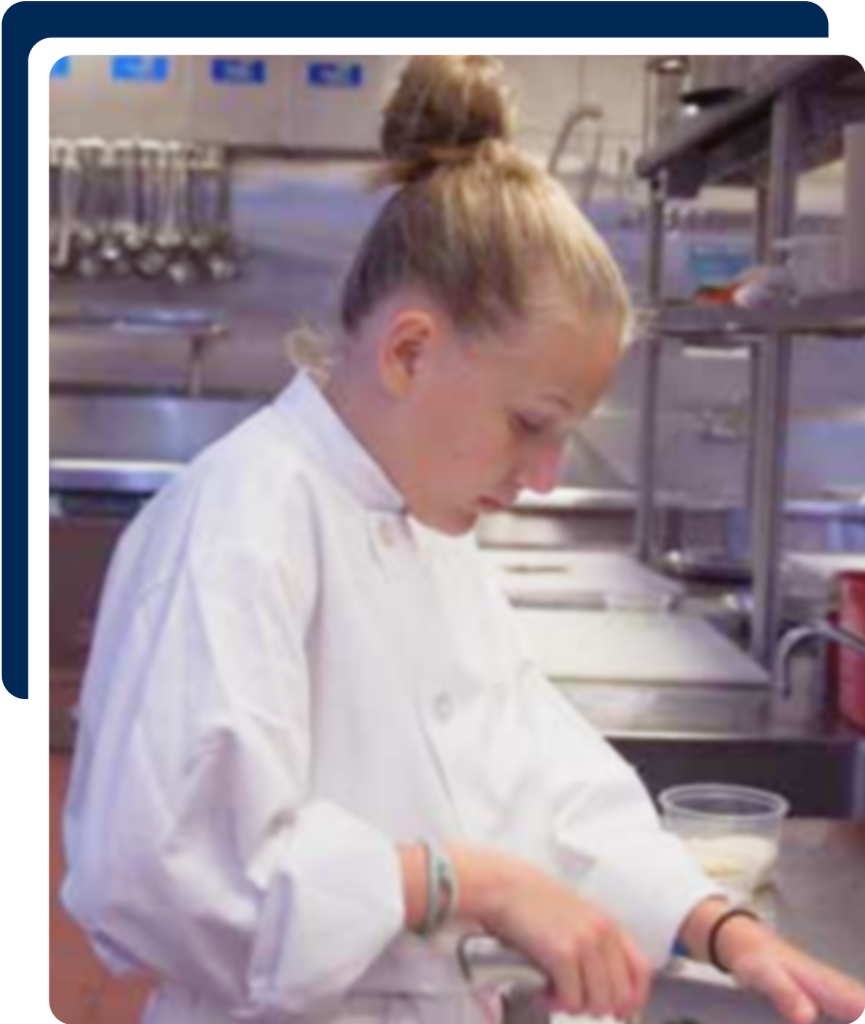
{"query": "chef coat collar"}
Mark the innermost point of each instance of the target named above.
(325, 439)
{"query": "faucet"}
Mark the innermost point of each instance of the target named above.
(818, 630)
(200, 342)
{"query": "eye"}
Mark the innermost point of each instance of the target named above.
(529, 425)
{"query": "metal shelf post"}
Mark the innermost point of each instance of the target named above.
(653, 344)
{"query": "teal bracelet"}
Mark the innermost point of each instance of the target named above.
(441, 890)
(447, 883)
(432, 894)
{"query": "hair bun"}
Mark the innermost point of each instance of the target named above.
(444, 109)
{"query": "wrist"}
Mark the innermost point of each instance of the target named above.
(715, 931)
(413, 865)
(694, 933)
(733, 933)
(483, 883)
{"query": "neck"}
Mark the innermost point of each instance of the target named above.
(365, 411)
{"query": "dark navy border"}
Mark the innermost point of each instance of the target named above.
(27, 22)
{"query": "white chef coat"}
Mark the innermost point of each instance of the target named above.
(290, 676)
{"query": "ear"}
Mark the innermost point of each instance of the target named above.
(412, 339)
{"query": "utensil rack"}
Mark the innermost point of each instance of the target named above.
(145, 208)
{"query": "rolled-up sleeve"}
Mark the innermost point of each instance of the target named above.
(605, 835)
(194, 848)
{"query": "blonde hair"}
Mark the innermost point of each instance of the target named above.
(486, 231)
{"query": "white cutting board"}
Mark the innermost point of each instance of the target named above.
(635, 647)
(577, 578)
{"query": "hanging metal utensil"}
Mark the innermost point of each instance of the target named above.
(129, 226)
(181, 269)
(203, 189)
(155, 184)
(223, 260)
(54, 161)
(168, 235)
(110, 225)
(89, 152)
(88, 214)
(150, 171)
(68, 188)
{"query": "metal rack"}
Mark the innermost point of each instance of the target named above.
(791, 121)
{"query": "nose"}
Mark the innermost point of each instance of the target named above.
(540, 473)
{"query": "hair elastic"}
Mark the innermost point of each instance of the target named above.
(715, 931)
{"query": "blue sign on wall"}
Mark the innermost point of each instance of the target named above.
(334, 75)
(233, 71)
(139, 69)
(61, 68)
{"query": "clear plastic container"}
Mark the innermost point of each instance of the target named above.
(733, 831)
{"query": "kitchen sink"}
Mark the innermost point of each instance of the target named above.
(822, 777)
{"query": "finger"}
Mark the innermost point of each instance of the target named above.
(566, 990)
(789, 998)
(597, 981)
(621, 982)
(568, 993)
(835, 994)
(641, 970)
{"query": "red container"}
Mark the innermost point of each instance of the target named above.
(851, 664)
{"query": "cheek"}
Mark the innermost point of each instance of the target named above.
(468, 441)
(483, 454)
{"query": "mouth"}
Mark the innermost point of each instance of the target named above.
(493, 505)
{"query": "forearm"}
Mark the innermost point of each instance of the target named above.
(593, 965)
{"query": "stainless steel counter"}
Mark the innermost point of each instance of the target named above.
(674, 735)
(817, 900)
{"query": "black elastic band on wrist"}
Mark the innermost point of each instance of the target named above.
(715, 932)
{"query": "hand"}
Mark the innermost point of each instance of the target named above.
(800, 987)
(595, 967)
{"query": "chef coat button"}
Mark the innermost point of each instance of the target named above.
(386, 532)
(444, 707)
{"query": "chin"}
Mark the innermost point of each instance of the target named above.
(453, 524)
(461, 529)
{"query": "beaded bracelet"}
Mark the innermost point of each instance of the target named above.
(715, 932)
(441, 890)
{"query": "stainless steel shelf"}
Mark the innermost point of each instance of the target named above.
(732, 144)
(791, 121)
(831, 315)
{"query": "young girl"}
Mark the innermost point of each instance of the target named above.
(312, 752)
